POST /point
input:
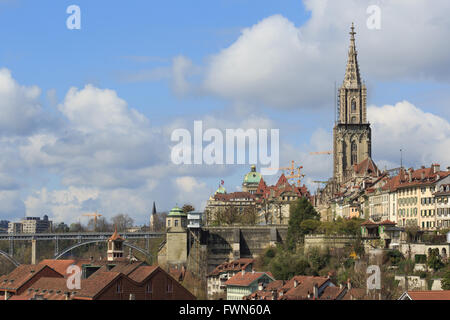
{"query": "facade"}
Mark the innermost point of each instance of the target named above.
(426, 295)
(245, 283)
(442, 197)
(352, 133)
(219, 276)
(271, 203)
(176, 237)
(251, 180)
(31, 225)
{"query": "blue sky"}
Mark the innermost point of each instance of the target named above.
(161, 64)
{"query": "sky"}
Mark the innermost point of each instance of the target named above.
(87, 114)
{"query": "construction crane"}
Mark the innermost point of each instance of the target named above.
(95, 215)
(320, 152)
(299, 175)
(291, 168)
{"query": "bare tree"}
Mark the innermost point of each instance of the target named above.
(122, 221)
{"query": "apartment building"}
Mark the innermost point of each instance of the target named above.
(31, 225)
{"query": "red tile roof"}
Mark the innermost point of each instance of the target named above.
(429, 295)
(247, 278)
(236, 265)
(142, 273)
(20, 276)
(59, 266)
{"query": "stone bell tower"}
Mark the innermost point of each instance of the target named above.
(352, 133)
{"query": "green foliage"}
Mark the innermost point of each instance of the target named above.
(299, 211)
(318, 260)
(310, 226)
(434, 260)
(420, 258)
(285, 265)
(445, 282)
(394, 257)
(341, 227)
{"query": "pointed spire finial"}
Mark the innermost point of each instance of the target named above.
(352, 33)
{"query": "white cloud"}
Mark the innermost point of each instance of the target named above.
(278, 64)
(424, 137)
(20, 110)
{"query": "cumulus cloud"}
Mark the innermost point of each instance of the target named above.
(19, 106)
(278, 64)
(423, 136)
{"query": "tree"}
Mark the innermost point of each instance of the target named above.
(61, 227)
(299, 211)
(249, 216)
(122, 222)
(285, 265)
(434, 260)
(188, 208)
(102, 225)
(310, 226)
(445, 282)
(76, 227)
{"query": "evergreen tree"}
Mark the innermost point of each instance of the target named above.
(299, 211)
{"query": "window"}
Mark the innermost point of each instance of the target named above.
(169, 286)
(119, 287)
(354, 153)
(176, 222)
(353, 105)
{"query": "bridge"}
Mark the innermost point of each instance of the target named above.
(82, 238)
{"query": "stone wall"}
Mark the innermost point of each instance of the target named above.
(324, 241)
(231, 243)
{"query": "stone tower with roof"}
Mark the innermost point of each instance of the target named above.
(351, 133)
(115, 247)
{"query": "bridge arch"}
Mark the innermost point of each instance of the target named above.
(132, 246)
(10, 258)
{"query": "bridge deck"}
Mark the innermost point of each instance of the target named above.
(78, 236)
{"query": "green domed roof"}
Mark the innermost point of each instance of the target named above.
(176, 212)
(252, 176)
(221, 190)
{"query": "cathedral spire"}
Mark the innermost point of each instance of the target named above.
(352, 77)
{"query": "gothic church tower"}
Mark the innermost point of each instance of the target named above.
(352, 133)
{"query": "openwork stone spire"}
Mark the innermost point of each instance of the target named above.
(352, 77)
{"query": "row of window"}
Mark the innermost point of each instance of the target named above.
(427, 213)
(427, 200)
(443, 211)
(407, 212)
(407, 201)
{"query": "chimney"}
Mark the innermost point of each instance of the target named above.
(349, 284)
(295, 283)
(410, 175)
(316, 291)
(422, 176)
(243, 272)
(67, 295)
(341, 286)
(448, 169)
(435, 167)
(260, 286)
